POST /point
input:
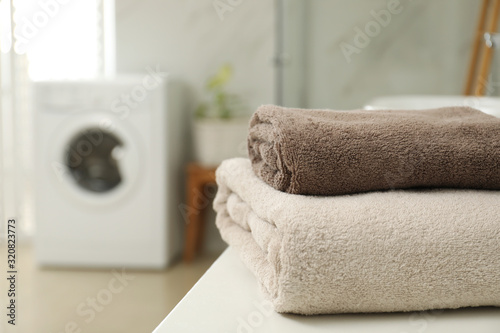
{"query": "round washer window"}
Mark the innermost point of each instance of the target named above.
(92, 158)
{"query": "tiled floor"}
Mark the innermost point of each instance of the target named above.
(96, 301)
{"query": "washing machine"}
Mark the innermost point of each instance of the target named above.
(108, 174)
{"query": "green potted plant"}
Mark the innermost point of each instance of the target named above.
(220, 128)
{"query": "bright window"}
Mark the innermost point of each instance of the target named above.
(61, 38)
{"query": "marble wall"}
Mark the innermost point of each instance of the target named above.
(191, 39)
(420, 47)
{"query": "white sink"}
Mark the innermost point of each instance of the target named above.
(490, 105)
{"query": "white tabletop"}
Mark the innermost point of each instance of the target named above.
(228, 299)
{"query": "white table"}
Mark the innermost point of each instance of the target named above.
(228, 299)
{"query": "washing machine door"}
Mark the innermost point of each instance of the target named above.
(93, 159)
(96, 157)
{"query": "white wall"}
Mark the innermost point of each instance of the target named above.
(188, 39)
(424, 49)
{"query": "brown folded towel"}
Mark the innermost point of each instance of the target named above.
(326, 152)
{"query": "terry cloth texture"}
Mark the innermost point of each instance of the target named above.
(326, 152)
(370, 252)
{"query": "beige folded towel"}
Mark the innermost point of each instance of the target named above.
(326, 152)
(371, 252)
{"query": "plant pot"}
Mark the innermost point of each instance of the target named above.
(216, 140)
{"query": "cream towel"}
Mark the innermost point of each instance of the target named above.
(371, 252)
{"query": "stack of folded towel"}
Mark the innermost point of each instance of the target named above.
(367, 211)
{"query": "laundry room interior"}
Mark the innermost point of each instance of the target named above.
(115, 115)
